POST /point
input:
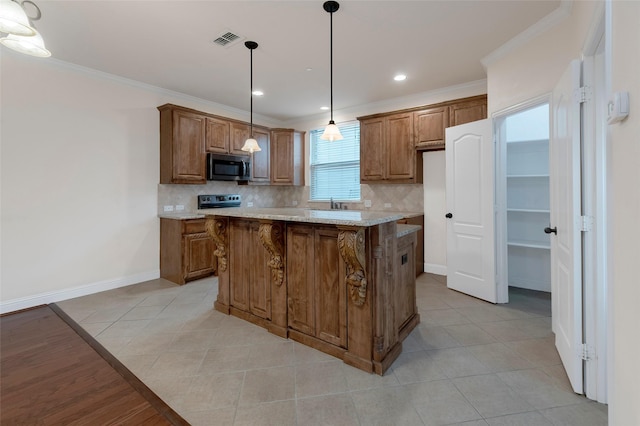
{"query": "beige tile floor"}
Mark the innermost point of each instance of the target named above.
(467, 363)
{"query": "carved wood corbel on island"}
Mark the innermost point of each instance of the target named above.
(333, 280)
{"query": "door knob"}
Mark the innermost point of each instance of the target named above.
(448, 215)
(549, 230)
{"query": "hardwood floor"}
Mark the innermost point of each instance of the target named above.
(52, 375)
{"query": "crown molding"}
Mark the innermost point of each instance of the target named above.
(551, 20)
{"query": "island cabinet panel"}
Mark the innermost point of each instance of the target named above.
(330, 289)
(405, 288)
(300, 279)
(182, 150)
(249, 274)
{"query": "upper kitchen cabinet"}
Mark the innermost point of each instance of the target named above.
(261, 161)
(429, 125)
(387, 152)
(287, 157)
(182, 146)
(217, 135)
(468, 110)
(240, 132)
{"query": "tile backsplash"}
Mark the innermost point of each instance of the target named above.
(396, 197)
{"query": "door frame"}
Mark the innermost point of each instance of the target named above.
(500, 208)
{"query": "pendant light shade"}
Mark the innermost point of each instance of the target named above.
(251, 145)
(331, 132)
(33, 45)
(14, 20)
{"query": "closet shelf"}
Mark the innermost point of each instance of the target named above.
(528, 210)
(527, 176)
(529, 244)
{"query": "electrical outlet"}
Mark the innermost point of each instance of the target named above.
(250, 204)
(387, 205)
(168, 208)
(179, 207)
(367, 203)
(294, 203)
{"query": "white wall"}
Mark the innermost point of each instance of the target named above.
(624, 150)
(435, 224)
(79, 180)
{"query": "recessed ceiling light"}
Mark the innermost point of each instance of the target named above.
(400, 77)
(258, 92)
(308, 69)
(324, 108)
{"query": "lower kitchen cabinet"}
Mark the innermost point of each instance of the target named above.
(317, 291)
(250, 279)
(186, 250)
(405, 291)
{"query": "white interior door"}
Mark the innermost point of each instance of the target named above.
(566, 251)
(469, 152)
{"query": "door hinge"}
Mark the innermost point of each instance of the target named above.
(582, 94)
(587, 353)
(586, 223)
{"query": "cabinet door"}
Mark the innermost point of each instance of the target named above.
(260, 275)
(300, 279)
(466, 112)
(239, 133)
(239, 272)
(405, 291)
(429, 127)
(260, 164)
(400, 153)
(331, 289)
(217, 139)
(372, 157)
(282, 157)
(198, 256)
(188, 148)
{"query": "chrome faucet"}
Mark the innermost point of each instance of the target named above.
(335, 205)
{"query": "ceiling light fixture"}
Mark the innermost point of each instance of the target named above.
(21, 34)
(400, 77)
(258, 93)
(251, 145)
(331, 132)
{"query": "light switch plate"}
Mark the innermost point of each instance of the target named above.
(168, 208)
(367, 203)
(179, 208)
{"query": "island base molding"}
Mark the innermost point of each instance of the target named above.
(343, 289)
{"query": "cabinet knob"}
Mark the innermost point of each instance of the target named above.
(549, 230)
(448, 215)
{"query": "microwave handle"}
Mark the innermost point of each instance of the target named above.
(244, 168)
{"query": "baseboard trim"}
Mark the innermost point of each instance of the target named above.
(70, 293)
(433, 268)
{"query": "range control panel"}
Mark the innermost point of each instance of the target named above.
(216, 201)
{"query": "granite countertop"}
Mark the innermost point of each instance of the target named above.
(402, 230)
(181, 216)
(331, 217)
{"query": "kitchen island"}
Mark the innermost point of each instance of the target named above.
(342, 282)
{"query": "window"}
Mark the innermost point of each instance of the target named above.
(335, 166)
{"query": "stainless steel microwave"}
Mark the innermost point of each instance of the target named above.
(228, 167)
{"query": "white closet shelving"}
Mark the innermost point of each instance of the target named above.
(528, 247)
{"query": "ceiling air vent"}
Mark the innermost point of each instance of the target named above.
(227, 39)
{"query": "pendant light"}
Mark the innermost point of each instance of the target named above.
(331, 132)
(251, 145)
(21, 33)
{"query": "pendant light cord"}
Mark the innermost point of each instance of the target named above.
(331, 61)
(251, 93)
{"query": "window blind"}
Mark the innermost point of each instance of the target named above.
(335, 166)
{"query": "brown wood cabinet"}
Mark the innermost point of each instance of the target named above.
(186, 250)
(387, 149)
(239, 134)
(405, 291)
(261, 160)
(383, 155)
(250, 279)
(317, 291)
(419, 250)
(287, 157)
(217, 135)
(182, 140)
